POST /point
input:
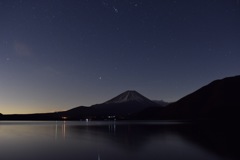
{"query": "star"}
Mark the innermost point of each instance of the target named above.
(115, 9)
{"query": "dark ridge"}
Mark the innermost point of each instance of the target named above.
(218, 100)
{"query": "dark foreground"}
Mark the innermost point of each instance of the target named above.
(117, 140)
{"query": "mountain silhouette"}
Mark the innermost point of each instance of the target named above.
(218, 100)
(121, 106)
(161, 102)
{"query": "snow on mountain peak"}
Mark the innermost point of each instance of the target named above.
(129, 96)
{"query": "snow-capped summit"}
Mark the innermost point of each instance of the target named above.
(131, 96)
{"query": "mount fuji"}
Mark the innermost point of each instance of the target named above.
(131, 97)
(123, 105)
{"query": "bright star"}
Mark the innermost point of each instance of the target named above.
(115, 9)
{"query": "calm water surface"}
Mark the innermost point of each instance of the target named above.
(115, 141)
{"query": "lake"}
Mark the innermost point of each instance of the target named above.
(98, 140)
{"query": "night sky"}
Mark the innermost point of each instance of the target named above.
(59, 54)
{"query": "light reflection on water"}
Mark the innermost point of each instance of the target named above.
(113, 140)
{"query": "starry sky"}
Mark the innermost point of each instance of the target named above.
(59, 54)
